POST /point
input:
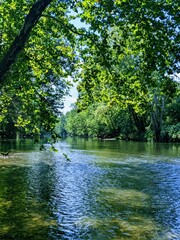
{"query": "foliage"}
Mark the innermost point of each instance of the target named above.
(100, 121)
(131, 58)
(171, 132)
(171, 128)
(60, 126)
(125, 61)
(76, 125)
(32, 91)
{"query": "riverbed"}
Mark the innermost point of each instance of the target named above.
(90, 189)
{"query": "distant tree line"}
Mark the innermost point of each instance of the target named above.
(103, 121)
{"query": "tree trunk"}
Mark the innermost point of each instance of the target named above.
(21, 39)
(139, 123)
(157, 116)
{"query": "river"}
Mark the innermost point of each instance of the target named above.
(90, 189)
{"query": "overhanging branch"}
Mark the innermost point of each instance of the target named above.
(21, 39)
(69, 27)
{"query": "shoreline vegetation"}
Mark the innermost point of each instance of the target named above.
(124, 61)
(102, 122)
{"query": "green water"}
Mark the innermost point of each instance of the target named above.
(108, 190)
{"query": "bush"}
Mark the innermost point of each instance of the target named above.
(171, 133)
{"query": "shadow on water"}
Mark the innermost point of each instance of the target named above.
(108, 190)
(24, 209)
(26, 180)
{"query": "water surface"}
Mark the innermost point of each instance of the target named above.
(107, 190)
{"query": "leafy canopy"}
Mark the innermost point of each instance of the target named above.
(32, 89)
(132, 54)
(129, 49)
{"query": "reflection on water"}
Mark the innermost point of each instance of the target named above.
(108, 190)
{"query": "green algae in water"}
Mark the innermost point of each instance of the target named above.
(135, 228)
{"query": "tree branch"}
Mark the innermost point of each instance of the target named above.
(69, 27)
(21, 39)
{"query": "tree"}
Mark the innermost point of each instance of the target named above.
(36, 57)
(22, 37)
(136, 55)
(125, 44)
(99, 121)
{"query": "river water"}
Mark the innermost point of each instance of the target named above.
(90, 189)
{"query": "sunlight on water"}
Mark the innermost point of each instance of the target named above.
(106, 190)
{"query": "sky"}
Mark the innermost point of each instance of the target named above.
(69, 100)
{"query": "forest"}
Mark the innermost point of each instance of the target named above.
(125, 62)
